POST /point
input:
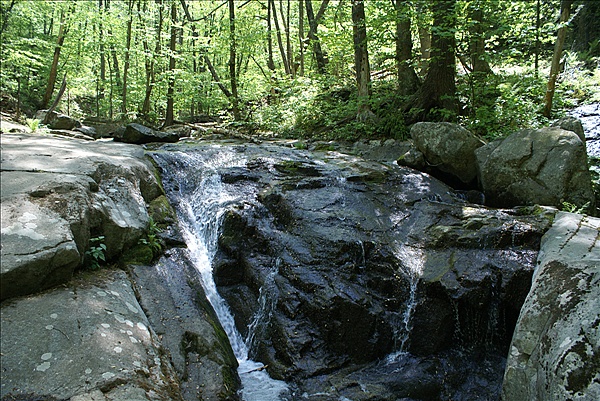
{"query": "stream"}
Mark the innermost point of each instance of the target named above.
(200, 203)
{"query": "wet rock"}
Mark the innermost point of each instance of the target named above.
(86, 339)
(173, 298)
(448, 148)
(546, 166)
(345, 261)
(554, 352)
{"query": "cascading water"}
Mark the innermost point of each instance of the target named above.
(411, 264)
(201, 200)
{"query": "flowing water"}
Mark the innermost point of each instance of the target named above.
(411, 265)
(200, 199)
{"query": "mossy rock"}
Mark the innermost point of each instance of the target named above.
(140, 254)
(161, 211)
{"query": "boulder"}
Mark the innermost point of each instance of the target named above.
(555, 350)
(58, 121)
(571, 124)
(546, 166)
(89, 340)
(138, 134)
(449, 150)
(57, 194)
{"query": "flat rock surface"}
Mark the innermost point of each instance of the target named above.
(86, 340)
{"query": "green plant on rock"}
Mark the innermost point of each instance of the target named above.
(152, 240)
(573, 208)
(96, 253)
(33, 124)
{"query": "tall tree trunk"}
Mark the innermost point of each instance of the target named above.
(537, 38)
(102, 50)
(270, 62)
(301, 34)
(408, 81)
(424, 31)
(361, 60)
(313, 22)
(284, 59)
(169, 117)
(232, 58)
(54, 67)
(126, 60)
(150, 75)
(288, 41)
(436, 98)
(565, 12)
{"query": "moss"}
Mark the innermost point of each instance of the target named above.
(140, 254)
(161, 211)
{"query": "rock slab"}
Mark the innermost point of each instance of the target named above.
(89, 340)
(555, 350)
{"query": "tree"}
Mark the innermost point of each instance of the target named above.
(169, 118)
(565, 12)
(313, 22)
(361, 60)
(126, 62)
(232, 66)
(436, 99)
(62, 30)
(408, 81)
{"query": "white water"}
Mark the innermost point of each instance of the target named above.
(200, 214)
(411, 264)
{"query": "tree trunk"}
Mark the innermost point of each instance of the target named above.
(59, 95)
(126, 61)
(565, 12)
(408, 81)
(54, 67)
(150, 76)
(270, 62)
(284, 59)
(436, 98)
(361, 60)
(232, 58)
(169, 117)
(313, 22)
(301, 35)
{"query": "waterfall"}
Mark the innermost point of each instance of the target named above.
(411, 265)
(201, 200)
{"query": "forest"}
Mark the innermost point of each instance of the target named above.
(329, 69)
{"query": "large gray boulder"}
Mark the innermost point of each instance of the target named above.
(555, 350)
(545, 166)
(86, 341)
(57, 193)
(448, 148)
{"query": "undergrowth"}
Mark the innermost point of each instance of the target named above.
(509, 100)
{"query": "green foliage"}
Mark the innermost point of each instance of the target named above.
(572, 208)
(152, 240)
(96, 253)
(33, 124)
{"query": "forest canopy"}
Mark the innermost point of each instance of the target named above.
(311, 68)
